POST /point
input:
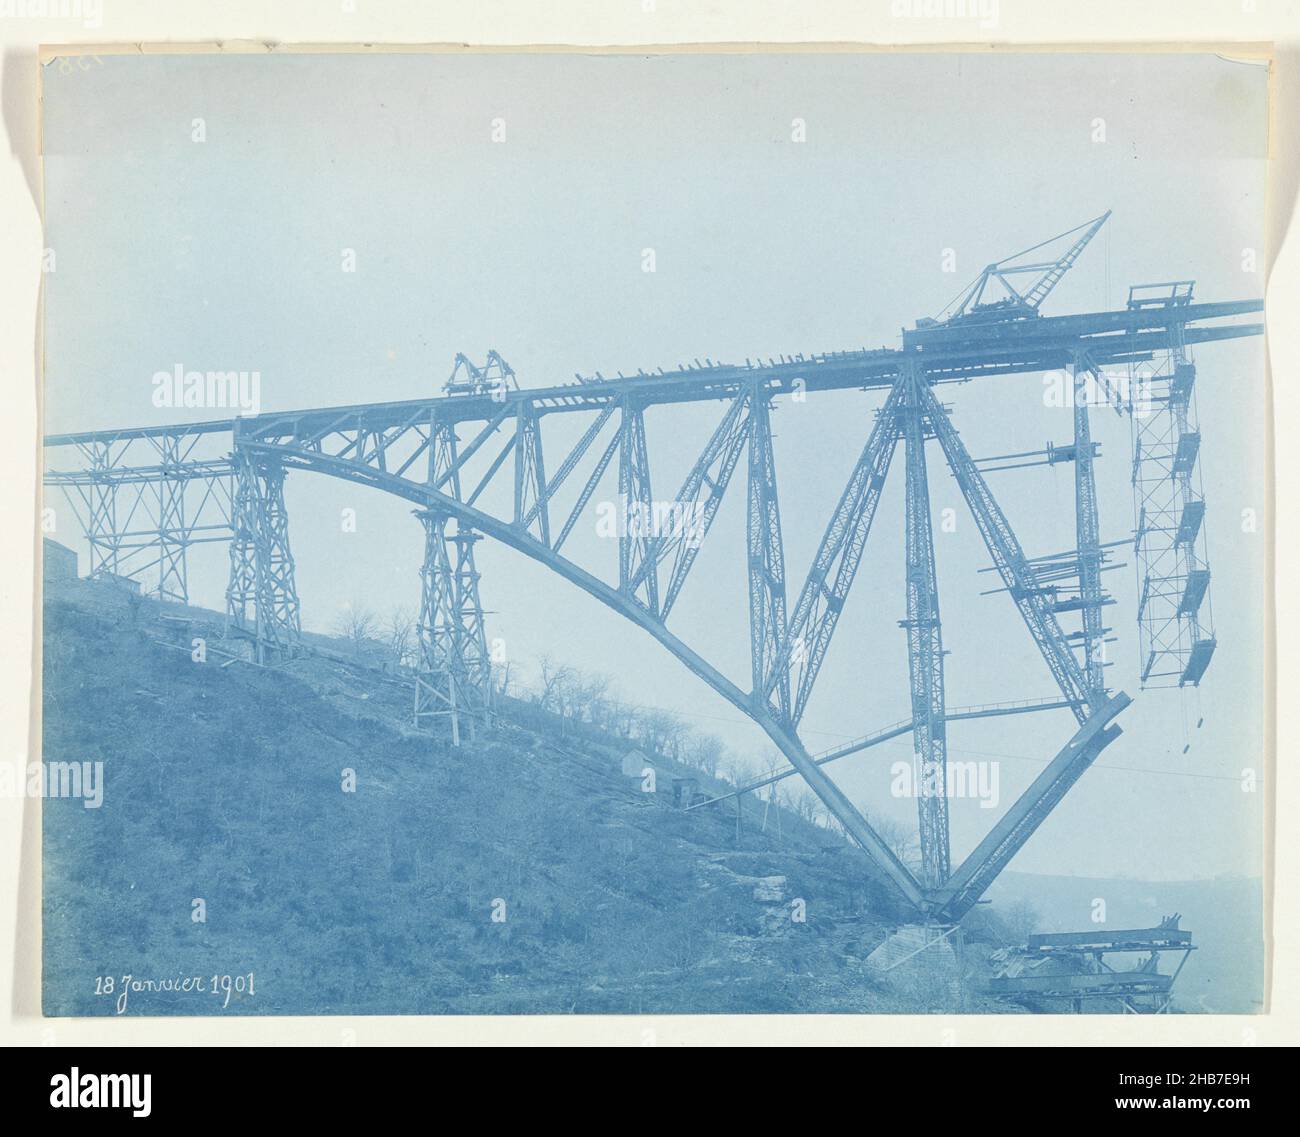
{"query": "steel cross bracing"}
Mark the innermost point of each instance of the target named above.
(836, 562)
(262, 596)
(141, 520)
(701, 494)
(436, 693)
(1012, 565)
(453, 675)
(494, 484)
(531, 498)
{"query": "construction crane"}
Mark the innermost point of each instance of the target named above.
(495, 376)
(1023, 302)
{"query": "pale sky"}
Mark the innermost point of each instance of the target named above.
(226, 254)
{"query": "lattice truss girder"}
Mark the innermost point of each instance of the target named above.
(616, 431)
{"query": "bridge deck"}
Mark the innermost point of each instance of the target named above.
(949, 354)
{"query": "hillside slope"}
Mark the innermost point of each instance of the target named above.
(225, 785)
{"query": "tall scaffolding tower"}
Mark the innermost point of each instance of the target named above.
(1175, 619)
(262, 596)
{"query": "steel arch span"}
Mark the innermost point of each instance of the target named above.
(960, 892)
(409, 464)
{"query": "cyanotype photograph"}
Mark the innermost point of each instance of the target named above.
(693, 532)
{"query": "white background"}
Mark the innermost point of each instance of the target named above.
(620, 22)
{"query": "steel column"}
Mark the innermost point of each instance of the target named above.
(924, 645)
(531, 496)
(101, 527)
(1088, 536)
(766, 562)
(636, 538)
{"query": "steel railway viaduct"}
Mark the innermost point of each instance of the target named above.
(145, 494)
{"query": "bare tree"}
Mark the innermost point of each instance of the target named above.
(657, 728)
(399, 637)
(621, 717)
(568, 695)
(594, 699)
(555, 678)
(732, 769)
(707, 752)
(805, 805)
(357, 624)
(827, 819)
(559, 682)
(675, 737)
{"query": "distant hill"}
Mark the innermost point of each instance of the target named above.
(1226, 972)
